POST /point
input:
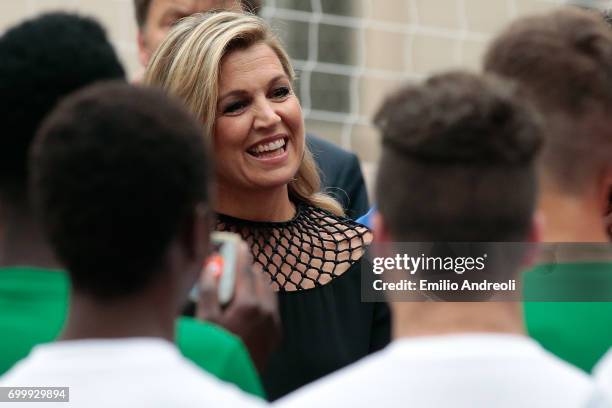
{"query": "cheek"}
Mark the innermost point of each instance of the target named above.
(292, 115)
(295, 121)
(230, 134)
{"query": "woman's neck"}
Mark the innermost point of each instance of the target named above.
(271, 205)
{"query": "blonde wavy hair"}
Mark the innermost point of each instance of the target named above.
(187, 64)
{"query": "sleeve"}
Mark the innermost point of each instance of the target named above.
(240, 369)
(218, 352)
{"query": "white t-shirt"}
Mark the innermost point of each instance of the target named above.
(472, 370)
(603, 374)
(135, 372)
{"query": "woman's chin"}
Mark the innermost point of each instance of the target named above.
(270, 181)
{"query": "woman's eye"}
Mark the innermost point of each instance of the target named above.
(234, 107)
(281, 92)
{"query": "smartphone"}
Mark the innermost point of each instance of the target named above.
(222, 264)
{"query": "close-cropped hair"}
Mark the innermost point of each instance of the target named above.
(118, 172)
(41, 61)
(563, 63)
(458, 160)
(187, 65)
(141, 8)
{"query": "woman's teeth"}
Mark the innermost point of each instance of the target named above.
(269, 146)
(269, 149)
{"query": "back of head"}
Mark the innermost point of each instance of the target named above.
(117, 173)
(43, 60)
(563, 63)
(458, 161)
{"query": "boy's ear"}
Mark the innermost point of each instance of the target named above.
(143, 51)
(537, 228)
(195, 235)
(534, 237)
(379, 227)
(605, 190)
(203, 224)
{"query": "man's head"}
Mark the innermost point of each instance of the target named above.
(563, 63)
(119, 181)
(458, 161)
(156, 17)
(43, 60)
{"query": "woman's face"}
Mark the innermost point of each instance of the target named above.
(259, 130)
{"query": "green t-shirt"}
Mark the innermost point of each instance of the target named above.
(34, 304)
(577, 332)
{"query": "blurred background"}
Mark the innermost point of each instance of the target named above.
(348, 53)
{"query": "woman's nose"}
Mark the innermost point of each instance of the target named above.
(265, 115)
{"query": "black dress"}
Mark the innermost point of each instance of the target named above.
(314, 261)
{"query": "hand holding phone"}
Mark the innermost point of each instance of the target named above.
(223, 263)
(252, 311)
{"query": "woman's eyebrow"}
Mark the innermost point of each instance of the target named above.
(277, 78)
(239, 92)
(235, 92)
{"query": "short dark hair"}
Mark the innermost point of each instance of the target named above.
(457, 162)
(43, 60)
(117, 172)
(563, 62)
(141, 8)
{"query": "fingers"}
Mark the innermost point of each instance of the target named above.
(263, 290)
(208, 307)
(244, 266)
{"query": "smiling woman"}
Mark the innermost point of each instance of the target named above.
(258, 132)
(232, 73)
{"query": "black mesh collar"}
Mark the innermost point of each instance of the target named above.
(305, 252)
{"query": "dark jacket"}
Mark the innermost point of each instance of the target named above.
(341, 175)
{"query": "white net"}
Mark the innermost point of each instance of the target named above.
(349, 54)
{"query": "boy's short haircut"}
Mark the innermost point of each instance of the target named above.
(117, 173)
(41, 61)
(563, 63)
(458, 161)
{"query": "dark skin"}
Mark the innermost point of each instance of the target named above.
(152, 311)
(123, 318)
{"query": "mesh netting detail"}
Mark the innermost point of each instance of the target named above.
(308, 251)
